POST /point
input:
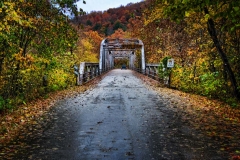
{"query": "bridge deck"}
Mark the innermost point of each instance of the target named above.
(118, 119)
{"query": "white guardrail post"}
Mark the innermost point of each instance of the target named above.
(81, 71)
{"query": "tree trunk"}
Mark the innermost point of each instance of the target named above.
(213, 34)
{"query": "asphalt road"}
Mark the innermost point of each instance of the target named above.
(119, 119)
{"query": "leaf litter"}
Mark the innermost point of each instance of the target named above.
(216, 119)
(33, 116)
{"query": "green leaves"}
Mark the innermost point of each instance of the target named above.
(185, 1)
(236, 9)
(70, 5)
(1, 4)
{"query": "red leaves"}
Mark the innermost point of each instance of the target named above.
(236, 157)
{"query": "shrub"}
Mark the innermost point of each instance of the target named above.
(5, 104)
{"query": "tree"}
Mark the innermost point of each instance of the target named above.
(33, 35)
(212, 11)
(88, 47)
(89, 23)
(118, 25)
(69, 5)
(118, 34)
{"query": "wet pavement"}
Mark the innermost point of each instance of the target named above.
(119, 119)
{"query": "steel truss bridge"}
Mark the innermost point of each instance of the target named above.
(111, 49)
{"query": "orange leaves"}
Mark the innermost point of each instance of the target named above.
(25, 61)
(94, 35)
(27, 58)
(191, 52)
(118, 34)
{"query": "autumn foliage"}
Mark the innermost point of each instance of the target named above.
(36, 51)
(202, 41)
(39, 45)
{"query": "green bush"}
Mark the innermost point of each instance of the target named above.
(210, 84)
(5, 104)
(193, 79)
(2, 103)
(58, 80)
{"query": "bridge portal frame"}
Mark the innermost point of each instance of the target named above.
(106, 59)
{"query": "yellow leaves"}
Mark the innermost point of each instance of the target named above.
(87, 45)
(12, 14)
(206, 17)
(187, 14)
(191, 76)
(201, 60)
(57, 79)
(179, 70)
(156, 14)
(197, 26)
(44, 60)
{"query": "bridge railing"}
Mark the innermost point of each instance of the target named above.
(88, 71)
(151, 71)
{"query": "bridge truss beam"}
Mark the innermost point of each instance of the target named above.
(115, 48)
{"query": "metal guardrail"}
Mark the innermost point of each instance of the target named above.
(88, 76)
(151, 71)
(88, 71)
(150, 74)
